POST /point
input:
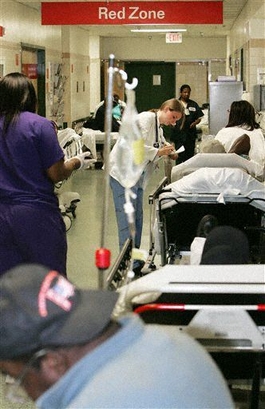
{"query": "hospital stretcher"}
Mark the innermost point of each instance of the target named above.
(223, 307)
(199, 187)
(95, 141)
(71, 144)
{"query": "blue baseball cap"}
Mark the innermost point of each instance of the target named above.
(40, 308)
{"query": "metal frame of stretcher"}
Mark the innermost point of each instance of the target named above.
(165, 238)
(71, 143)
(178, 219)
(117, 275)
(223, 307)
(176, 216)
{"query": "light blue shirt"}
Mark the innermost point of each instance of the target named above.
(141, 367)
(116, 112)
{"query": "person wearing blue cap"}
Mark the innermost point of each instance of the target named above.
(64, 347)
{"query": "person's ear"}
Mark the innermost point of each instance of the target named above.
(54, 365)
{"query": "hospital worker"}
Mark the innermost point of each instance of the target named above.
(155, 147)
(31, 162)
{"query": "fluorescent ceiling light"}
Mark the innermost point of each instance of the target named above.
(158, 30)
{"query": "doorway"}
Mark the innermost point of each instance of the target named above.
(156, 83)
(33, 65)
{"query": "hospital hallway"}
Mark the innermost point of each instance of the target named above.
(84, 238)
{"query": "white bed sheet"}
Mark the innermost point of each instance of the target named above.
(66, 135)
(70, 142)
(90, 138)
(216, 160)
(217, 184)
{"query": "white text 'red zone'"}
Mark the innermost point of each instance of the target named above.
(130, 13)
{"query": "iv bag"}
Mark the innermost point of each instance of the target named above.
(129, 146)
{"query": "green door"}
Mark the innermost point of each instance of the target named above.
(156, 83)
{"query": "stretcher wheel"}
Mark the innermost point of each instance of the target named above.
(67, 221)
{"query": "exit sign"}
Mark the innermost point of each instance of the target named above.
(173, 38)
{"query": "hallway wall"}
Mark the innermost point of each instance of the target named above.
(81, 54)
(70, 46)
(156, 49)
(248, 34)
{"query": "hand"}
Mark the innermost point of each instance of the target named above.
(85, 160)
(166, 150)
(174, 155)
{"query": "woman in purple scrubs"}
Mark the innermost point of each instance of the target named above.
(31, 161)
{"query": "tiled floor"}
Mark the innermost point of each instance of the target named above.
(84, 237)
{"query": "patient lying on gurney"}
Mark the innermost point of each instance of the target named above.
(210, 157)
(215, 178)
(222, 181)
(214, 173)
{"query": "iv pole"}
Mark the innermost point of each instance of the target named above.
(102, 254)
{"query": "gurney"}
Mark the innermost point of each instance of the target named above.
(95, 140)
(232, 194)
(223, 307)
(71, 144)
(89, 140)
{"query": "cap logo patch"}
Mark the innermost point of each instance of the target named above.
(58, 293)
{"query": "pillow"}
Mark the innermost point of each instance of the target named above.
(212, 146)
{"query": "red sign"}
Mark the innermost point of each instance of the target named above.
(132, 12)
(30, 70)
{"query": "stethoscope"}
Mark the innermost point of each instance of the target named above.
(156, 144)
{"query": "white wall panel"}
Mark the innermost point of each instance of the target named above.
(156, 49)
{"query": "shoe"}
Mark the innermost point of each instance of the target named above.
(207, 223)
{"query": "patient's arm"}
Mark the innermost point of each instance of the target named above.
(241, 146)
